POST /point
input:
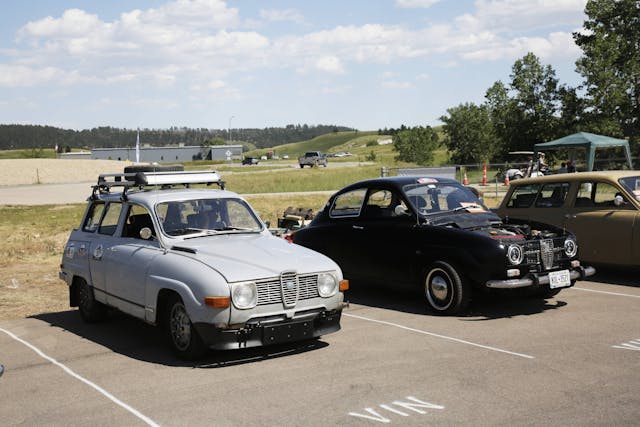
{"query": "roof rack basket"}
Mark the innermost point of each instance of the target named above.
(164, 180)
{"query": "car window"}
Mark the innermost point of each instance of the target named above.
(110, 219)
(137, 219)
(523, 196)
(348, 204)
(93, 217)
(186, 217)
(382, 204)
(632, 184)
(552, 195)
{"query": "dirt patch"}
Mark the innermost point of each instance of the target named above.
(55, 171)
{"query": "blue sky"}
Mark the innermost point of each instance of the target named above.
(366, 64)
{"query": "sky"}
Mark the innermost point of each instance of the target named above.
(365, 64)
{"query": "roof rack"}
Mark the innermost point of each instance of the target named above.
(164, 180)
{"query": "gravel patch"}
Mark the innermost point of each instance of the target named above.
(55, 171)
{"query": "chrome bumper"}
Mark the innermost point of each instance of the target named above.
(530, 280)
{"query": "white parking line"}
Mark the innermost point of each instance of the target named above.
(606, 292)
(105, 393)
(526, 356)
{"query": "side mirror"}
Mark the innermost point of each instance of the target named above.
(1, 370)
(145, 233)
(268, 224)
(618, 200)
(399, 210)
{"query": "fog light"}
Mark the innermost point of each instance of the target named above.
(513, 272)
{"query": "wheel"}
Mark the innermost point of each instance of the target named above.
(446, 291)
(91, 311)
(183, 338)
(301, 166)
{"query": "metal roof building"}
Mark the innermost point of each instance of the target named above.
(170, 154)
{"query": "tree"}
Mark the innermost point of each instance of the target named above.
(610, 65)
(526, 112)
(416, 144)
(470, 137)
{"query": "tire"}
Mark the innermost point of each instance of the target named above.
(91, 311)
(445, 290)
(183, 338)
(301, 166)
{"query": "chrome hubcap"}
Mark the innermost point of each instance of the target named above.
(439, 288)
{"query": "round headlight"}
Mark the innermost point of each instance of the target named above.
(570, 248)
(327, 285)
(244, 295)
(515, 254)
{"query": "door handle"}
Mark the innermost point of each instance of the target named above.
(569, 216)
(358, 227)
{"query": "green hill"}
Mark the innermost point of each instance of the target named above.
(323, 143)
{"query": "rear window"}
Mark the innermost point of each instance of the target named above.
(348, 204)
(552, 195)
(523, 196)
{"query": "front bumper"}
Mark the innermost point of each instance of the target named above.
(265, 332)
(578, 273)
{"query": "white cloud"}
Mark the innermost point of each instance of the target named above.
(330, 64)
(520, 15)
(274, 15)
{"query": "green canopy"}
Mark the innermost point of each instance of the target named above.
(588, 141)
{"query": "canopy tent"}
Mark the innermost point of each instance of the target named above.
(588, 141)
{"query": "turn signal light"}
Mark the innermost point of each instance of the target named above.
(344, 285)
(217, 302)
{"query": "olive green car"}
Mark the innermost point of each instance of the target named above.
(601, 208)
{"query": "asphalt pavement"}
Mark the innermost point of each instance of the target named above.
(569, 360)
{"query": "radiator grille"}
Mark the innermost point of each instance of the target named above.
(276, 290)
(546, 252)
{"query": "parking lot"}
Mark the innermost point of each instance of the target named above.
(569, 360)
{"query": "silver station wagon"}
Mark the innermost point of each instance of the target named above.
(199, 263)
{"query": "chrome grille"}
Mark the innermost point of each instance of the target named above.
(289, 285)
(271, 291)
(546, 253)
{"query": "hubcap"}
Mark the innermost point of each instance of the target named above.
(438, 289)
(180, 327)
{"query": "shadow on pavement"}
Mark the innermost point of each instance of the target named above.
(135, 339)
(484, 306)
(625, 276)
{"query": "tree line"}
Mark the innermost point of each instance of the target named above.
(534, 107)
(37, 137)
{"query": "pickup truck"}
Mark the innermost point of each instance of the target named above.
(312, 158)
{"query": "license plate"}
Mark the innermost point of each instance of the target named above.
(559, 279)
(287, 332)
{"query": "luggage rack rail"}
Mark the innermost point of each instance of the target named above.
(164, 180)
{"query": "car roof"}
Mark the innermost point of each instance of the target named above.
(153, 196)
(397, 181)
(579, 176)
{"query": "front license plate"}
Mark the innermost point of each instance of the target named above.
(287, 332)
(559, 279)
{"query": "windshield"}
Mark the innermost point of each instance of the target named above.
(632, 184)
(201, 217)
(434, 197)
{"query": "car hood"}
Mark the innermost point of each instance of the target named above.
(465, 220)
(240, 257)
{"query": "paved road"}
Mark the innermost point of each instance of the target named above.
(570, 360)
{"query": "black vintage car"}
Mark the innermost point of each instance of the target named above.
(436, 234)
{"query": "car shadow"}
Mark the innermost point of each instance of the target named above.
(484, 306)
(625, 276)
(133, 338)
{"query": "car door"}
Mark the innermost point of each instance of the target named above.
(103, 223)
(127, 260)
(605, 232)
(382, 237)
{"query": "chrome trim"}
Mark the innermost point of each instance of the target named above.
(542, 280)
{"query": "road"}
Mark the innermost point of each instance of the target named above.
(569, 360)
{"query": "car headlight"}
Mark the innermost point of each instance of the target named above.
(244, 295)
(515, 254)
(570, 248)
(327, 285)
